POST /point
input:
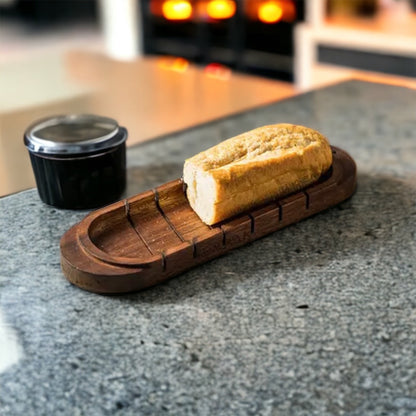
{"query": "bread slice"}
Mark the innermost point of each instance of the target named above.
(254, 168)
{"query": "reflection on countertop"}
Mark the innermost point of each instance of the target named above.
(150, 96)
(10, 349)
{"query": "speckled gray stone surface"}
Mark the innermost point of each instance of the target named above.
(316, 319)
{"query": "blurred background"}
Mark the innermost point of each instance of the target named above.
(159, 66)
(250, 36)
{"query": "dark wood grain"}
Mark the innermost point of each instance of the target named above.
(153, 236)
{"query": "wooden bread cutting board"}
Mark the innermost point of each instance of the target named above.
(148, 238)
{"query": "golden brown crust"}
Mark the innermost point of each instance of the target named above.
(253, 168)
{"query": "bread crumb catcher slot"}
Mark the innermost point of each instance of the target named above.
(237, 232)
(252, 223)
(127, 212)
(307, 199)
(163, 261)
(194, 249)
(164, 216)
(112, 233)
(174, 206)
(182, 253)
(205, 241)
(150, 224)
(266, 219)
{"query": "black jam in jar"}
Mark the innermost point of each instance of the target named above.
(79, 161)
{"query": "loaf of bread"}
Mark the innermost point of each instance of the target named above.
(254, 168)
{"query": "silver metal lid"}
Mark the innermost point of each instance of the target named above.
(73, 134)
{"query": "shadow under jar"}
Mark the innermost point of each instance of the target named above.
(79, 161)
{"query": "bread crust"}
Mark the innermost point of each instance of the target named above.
(253, 168)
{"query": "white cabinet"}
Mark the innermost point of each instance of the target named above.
(390, 32)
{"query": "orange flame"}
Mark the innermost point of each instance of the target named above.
(270, 11)
(177, 9)
(221, 9)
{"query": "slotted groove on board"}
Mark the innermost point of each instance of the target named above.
(131, 222)
(266, 219)
(182, 217)
(280, 212)
(252, 223)
(224, 238)
(237, 231)
(111, 234)
(151, 224)
(163, 261)
(159, 208)
(306, 199)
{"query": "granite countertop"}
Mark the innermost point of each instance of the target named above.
(316, 319)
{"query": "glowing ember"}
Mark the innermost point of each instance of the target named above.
(177, 9)
(221, 9)
(270, 12)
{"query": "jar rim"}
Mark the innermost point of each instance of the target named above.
(73, 134)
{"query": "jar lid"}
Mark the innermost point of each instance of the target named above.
(73, 134)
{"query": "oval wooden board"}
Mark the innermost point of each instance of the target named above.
(153, 236)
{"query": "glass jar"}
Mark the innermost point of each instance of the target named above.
(79, 161)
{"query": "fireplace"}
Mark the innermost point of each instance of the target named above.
(252, 36)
